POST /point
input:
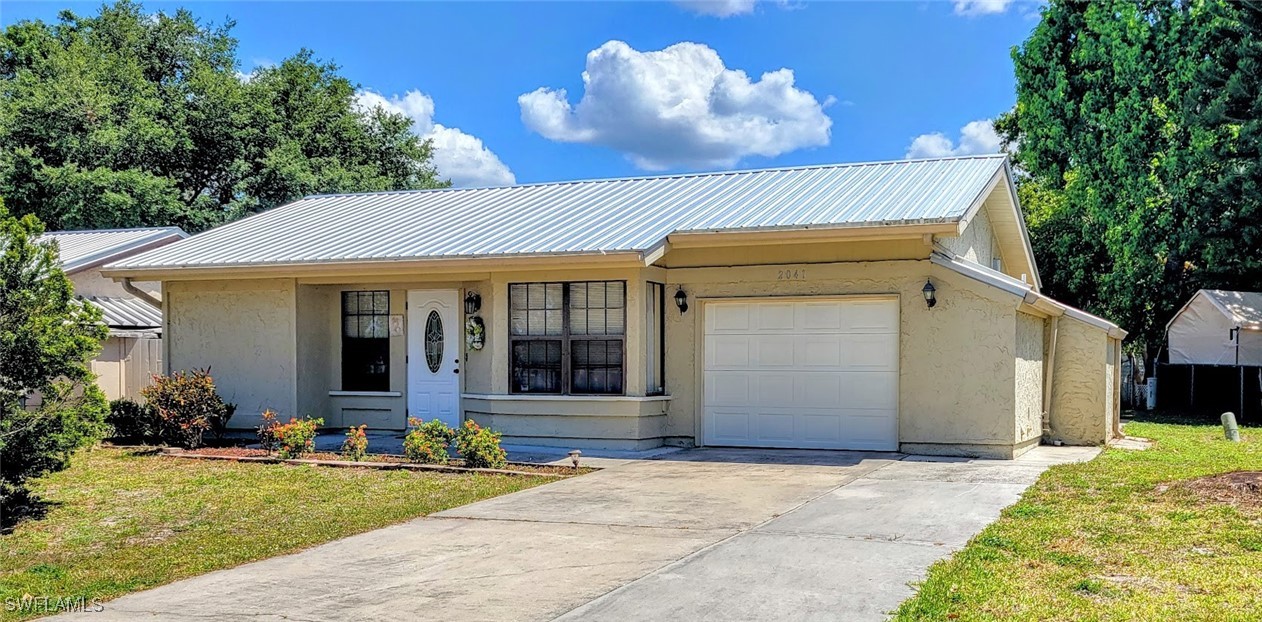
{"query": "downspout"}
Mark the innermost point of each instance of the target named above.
(1047, 380)
(139, 293)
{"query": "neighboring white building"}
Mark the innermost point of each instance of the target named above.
(1217, 327)
(133, 350)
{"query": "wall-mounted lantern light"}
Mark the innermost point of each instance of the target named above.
(930, 293)
(472, 302)
(681, 300)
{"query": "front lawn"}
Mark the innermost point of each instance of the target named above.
(1117, 538)
(120, 521)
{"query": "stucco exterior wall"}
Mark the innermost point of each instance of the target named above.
(1029, 374)
(91, 283)
(811, 252)
(244, 331)
(957, 360)
(1081, 411)
(976, 243)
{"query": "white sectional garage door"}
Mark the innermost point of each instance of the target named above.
(819, 373)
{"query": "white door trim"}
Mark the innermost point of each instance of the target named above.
(446, 302)
(699, 349)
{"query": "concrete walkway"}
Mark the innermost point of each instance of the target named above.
(707, 534)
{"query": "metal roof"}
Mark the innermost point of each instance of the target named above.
(82, 249)
(584, 217)
(128, 312)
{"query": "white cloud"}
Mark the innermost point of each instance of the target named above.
(974, 8)
(679, 107)
(458, 156)
(975, 137)
(718, 8)
(723, 9)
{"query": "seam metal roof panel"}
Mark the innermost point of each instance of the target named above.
(597, 216)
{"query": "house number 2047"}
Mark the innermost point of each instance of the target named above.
(790, 275)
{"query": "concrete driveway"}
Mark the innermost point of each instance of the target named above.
(708, 534)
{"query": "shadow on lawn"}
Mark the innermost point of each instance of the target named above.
(22, 508)
(1179, 417)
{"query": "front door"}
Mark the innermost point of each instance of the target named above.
(433, 334)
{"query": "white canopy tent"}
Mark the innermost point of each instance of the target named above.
(1217, 327)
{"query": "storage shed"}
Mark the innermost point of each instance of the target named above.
(1217, 327)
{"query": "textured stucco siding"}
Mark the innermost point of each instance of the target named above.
(976, 243)
(245, 332)
(91, 283)
(315, 351)
(956, 361)
(1029, 373)
(1081, 385)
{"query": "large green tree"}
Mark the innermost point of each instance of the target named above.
(1136, 131)
(47, 338)
(128, 118)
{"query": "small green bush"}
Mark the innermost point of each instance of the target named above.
(427, 441)
(480, 447)
(132, 421)
(187, 405)
(297, 438)
(355, 447)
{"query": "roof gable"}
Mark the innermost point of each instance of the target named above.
(633, 215)
(1007, 222)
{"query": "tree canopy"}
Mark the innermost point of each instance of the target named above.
(1137, 133)
(128, 118)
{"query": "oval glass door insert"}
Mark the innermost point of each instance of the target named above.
(434, 341)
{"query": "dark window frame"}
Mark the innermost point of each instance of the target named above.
(566, 340)
(660, 318)
(356, 381)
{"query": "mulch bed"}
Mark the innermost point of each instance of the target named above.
(1241, 488)
(372, 461)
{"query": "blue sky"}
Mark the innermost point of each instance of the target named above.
(869, 80)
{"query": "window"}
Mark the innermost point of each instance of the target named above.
(366, 341)
(655, 338)
(567, 337)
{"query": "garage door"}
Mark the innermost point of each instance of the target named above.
(820, 374)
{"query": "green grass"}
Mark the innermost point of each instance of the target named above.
(120, 521)
(1104, 541)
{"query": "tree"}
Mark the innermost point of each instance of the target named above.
(47, 338)
(1136, 181)
(129, 119)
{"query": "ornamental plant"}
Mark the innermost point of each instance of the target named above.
(355, 447)
(268, 431)
(187, 406)
(297, 438)
(427, 441)
(480, 447)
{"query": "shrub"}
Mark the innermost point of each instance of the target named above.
(269, 436)
(47, 339)
(427, 442)
(480, 447)
(187, 406)
(219, 426)
(355, 447)
(133, 421)
(297, 438)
